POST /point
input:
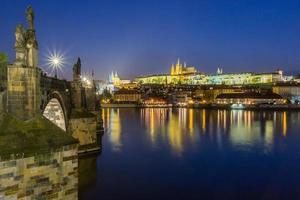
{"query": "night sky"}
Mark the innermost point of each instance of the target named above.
(146, 37)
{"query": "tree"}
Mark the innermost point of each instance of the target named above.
(3, 70)
(3, 58)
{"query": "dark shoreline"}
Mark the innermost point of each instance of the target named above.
(218, 107)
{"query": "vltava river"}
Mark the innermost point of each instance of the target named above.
(194, 154)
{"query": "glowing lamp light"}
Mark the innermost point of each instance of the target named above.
(55, 61)
(86, 80)
(191, 102)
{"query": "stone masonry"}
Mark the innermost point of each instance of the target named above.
(45, 176)
(23, 92)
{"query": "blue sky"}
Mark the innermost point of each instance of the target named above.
(146, 37)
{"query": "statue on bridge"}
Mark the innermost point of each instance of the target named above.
(26, 45)
(20, 45)
(30, 17)
(31, 42)
(20, 36)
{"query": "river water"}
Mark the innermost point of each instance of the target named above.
(194, 154)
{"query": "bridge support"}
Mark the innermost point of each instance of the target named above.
(23, 92)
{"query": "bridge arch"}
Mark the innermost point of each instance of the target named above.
(55, 110)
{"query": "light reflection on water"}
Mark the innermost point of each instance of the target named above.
(182, 127)
(113, 123)
(161, 153)
(185, 153)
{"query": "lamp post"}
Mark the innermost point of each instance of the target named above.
(55, 61)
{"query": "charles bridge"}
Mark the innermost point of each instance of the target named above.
(29, 92)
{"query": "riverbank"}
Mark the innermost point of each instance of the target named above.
(111, 105)
(248, 107)
(119, 105)
(211, 106)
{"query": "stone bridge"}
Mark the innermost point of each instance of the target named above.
(56, 100)
(30, 93)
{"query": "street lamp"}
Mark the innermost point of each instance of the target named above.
(55, 61)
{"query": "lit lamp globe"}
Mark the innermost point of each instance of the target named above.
(55, 61)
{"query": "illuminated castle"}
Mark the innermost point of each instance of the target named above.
(181, 74)
(180, 69)
(113, 78)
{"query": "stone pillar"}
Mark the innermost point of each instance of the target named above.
(77, 89)
(90, 97)
(23, 77)
(77, 94)
(23, 91)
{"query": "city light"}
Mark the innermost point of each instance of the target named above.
(86, 80)
(55, 61)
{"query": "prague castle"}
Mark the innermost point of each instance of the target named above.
(178, 69)
(181, 74)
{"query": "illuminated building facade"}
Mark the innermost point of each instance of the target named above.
(248, 98)
(113, 78)
(218, 79)
(180, 74)
(289, 91)
(164, 79)
(180, 69)
(182, 98)
(127, 96)
(297, 79)
(209, 93)
(113, 83)
(155, 102)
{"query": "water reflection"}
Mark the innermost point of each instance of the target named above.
(181, 132)
(186, 153)
(284, 124)
(113, 124)
(184, 128)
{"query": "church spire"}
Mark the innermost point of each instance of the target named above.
(172, 69)
(178, 61)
